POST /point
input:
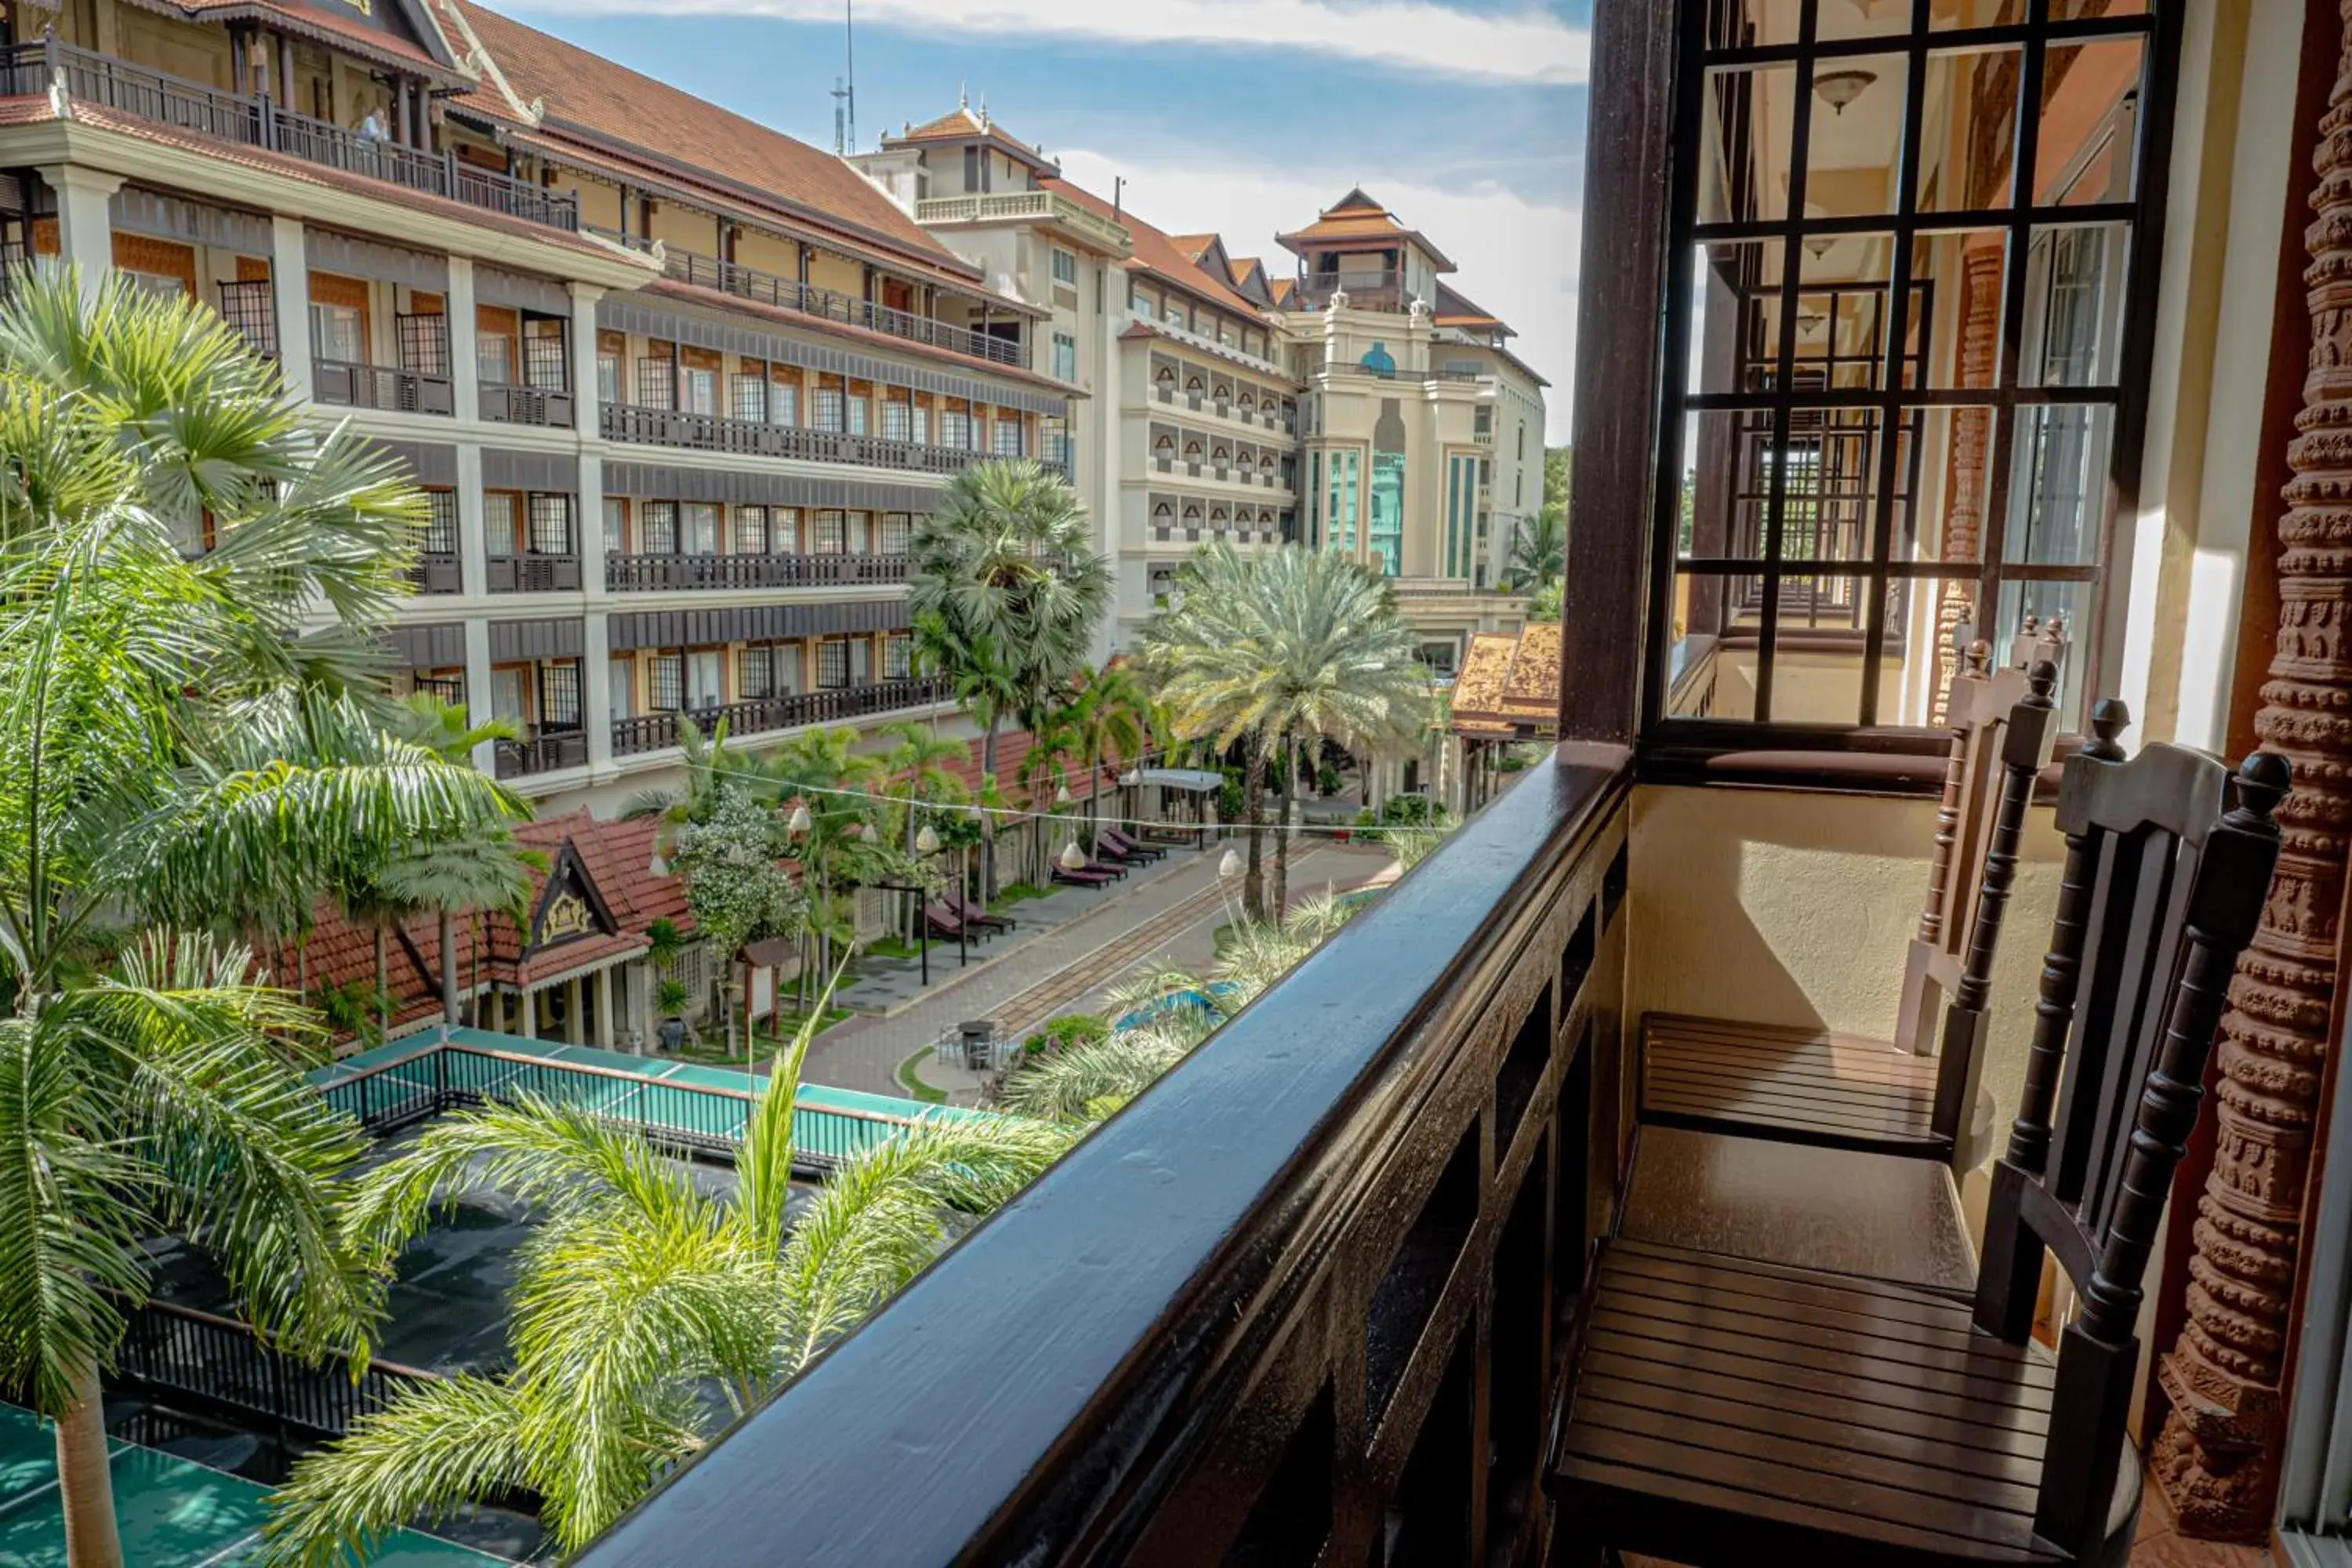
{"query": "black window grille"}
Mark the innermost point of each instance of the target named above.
(546, 354)
(657, 528)
(897, 532)
(755, 672)
(832, 665)
(559, 695)
(665, 682)
(657, 384)
(751, 531)
(550, 525)
(423, 341)
(832, 533)
(440, 522)
(1910, 273)
(250, 308)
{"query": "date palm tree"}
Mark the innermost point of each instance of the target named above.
(175, 747)
(1281, 647)
(1006, 592)
(648, 1310)
(1114, 716)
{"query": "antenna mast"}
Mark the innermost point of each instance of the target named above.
(849, 54)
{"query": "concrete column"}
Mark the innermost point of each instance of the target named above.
(464, 373)
(290, 283)
(605, 1034)
(597, 687)
(576, 1031)
(529, 1023)
(477, 681)
(85, 226)
(592, 521)
(583, 361)
(473, 549)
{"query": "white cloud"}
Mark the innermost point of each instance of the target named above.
(1517, 258)
(1418, 34)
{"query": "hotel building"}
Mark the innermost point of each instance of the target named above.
(676, 386)
(1363, 406)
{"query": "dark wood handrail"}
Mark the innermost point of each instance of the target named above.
(1075, 1352)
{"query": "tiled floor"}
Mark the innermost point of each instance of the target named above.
(2157, 1545)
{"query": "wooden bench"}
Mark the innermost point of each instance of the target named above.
(1900, 1096)
(1735, 1412)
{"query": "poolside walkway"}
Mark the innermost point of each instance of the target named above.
(1169, 918)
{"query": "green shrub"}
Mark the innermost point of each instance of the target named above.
(1077, 1029)
(1326, 780)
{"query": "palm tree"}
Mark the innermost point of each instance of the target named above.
(642, 1292)
(918, 768)
(1006, 593)
(1539, 550)
(481, 870)
(1280, 647)
(823, 771)
(1054, 744)
(1113, 715)
(175, 747)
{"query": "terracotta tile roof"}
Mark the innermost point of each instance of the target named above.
(1457, 309)
(616, 858)
(1280, 288)
(1245, 267)
(960, 124)
(1358, 217)
(632, 111)
(1159, 255)
(87, 113)
(320, 22)
(1509, 684)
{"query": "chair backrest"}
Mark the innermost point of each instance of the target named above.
(1981, 703)
(2169, 860)
(2037, 640)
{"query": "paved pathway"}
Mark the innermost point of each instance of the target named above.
(1171, 919)
(864, 1052)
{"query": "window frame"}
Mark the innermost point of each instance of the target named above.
(1678, 745)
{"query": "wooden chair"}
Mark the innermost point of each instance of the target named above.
(1730, 1412)
(1850, 1091)
(969, 914)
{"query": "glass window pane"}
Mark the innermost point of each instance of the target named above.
(1747, 112)
(2090, 99)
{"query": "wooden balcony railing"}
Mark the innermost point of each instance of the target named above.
(751, 438)
(173, 100)
(1304, 1297)
(757, 715)
(542, 751)
(503, 403)
(533, 573)
(790, 294)
(349, 385)
(438, 572)
(669, 574)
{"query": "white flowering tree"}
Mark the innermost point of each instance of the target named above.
(734, 884)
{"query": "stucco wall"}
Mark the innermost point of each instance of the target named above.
(1792, 908)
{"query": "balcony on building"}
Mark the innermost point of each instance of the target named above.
(671, 546)
(977, 326)
(658, 391)
(371, 117)
(758, 683)
(531, 541)
(523, 361)
(379, 344)
(1419, 1260)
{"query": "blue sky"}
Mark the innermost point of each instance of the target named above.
(1241, 116)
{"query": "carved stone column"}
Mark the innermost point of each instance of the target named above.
(1964, 484)
(2217, 1458)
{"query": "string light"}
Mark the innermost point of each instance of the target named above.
(927, 842)
(799, 821)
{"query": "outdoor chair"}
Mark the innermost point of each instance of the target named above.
(1729, 1075)
(1729, 1412)
(971, 914)
(943, 923)
(1110, 854)
(1132, 847)
(1088, 876)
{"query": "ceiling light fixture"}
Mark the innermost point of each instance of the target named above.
(1839, 88)
(1819, 246)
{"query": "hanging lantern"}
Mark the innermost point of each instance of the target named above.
(799, 821)
(1230, 866)
(1063, 796)
(1073, 858)
(1132, 777)
(927, 842)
